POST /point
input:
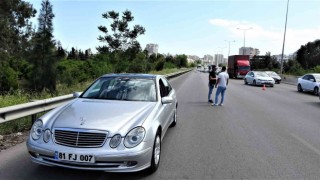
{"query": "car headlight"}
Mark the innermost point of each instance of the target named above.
(36, 129)
(134, 137)
(46, 135)
(115, 141)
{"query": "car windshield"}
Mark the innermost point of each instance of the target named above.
(122, 88)
(271, 73)
(247, 68)
(262, 74)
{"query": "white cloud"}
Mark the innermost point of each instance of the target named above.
(267, 38)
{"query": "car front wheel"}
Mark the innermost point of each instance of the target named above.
(245, 81)
(254, 83)
(316, 91)
(174, 121)
(300, 88)
(156, 152)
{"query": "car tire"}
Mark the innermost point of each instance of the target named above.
(156, 154)
(316, 91)
(254, 83)
(300, 88)
(245, 81)
(174, 122)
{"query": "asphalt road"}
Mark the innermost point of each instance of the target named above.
(271, 134)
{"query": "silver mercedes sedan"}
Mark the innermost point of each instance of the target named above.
(116, 125)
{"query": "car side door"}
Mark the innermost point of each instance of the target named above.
(167, 108)
(304, 82)
(311, 82)
(251, 77)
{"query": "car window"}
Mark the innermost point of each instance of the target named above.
(165, 88)
(306, 77)
(311, 77)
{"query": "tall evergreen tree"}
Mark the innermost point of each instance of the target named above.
(44, 58)
(15, 30)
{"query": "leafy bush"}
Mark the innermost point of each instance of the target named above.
(159, 65)
(8, 78)
(169, 65)
(316, 69)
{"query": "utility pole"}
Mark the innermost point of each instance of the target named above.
(284, 39)
(229, 46)
(244, 36)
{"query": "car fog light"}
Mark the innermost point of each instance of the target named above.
(46, 135)
(115, 141)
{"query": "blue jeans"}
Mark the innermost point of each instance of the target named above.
(210, 91)
(221, 90)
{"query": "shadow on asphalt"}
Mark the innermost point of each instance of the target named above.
(57, 173)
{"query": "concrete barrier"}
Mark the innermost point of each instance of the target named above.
(289, 79)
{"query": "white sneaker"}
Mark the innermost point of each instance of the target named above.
(214, 104)
(220, 104)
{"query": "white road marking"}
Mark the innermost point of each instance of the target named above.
(304, 142)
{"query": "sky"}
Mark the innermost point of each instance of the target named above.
(192, 27)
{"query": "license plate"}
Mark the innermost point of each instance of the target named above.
(74, 157)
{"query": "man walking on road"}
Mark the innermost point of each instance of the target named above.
(212, 82)
(222, 82)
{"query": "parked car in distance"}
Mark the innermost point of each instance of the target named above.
(258, 78)
(116, 125)
(275, 76)
(309, 82)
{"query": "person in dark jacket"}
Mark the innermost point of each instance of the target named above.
(212, 82)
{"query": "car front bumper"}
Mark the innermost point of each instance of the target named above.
(265, 83)
(123, 161)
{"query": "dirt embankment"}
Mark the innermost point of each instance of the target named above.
(7, 141)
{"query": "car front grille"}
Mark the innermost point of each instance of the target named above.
(80, 138)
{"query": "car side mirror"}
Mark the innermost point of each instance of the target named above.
(76, 94)
(167, 100)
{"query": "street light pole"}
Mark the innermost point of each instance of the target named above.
(244, 36)
(229, 46)
(284, 39)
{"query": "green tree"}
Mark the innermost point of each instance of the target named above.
(44, 57)
(181, 61)
(15, 30)
(61, 53)
(122, 37)
(309, 55)
(139, 64)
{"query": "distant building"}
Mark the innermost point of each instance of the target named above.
(208, 59)
(285, 57)
(218, 59)
(192, 58)
(152, 49)
(249, 51)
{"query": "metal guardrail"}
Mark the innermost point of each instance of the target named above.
(32, 108)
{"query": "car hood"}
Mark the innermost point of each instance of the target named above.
(275, 76)
(106, 115)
